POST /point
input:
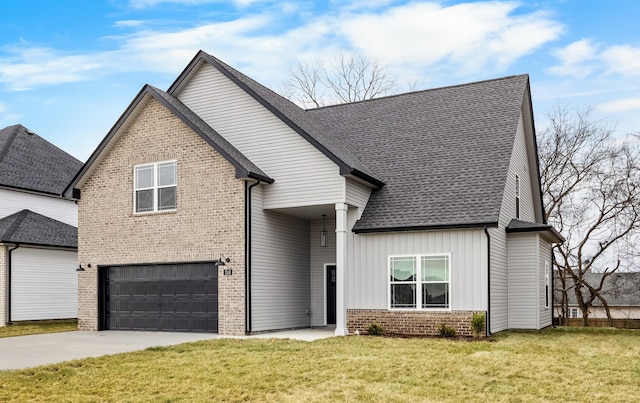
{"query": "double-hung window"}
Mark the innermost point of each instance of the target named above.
(419, 281)
(155, 187)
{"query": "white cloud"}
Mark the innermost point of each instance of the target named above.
(470, 36)
(619, 105)
(576, 59)
(30, 67)
(459, 40)
(622, 59)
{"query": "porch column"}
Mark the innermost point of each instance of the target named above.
(341, 265)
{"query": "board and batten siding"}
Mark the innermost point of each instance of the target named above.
(320, 256)
(368, 271)
(280, 275)
(63, 210)
(524, 279)
(499, 270)
(44, 284)
(303, 175)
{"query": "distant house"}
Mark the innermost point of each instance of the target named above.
(620, 290)
(38, 229)
(220, 206)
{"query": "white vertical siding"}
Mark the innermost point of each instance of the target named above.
(280, 279)
(524, 280)
(44, 284)
(62, 210)
(303, 175)
(544, 255)
(368, 275)
(319, 257)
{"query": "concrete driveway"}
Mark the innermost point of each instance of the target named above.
(41, 349)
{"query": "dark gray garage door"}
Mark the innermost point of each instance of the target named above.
(163, 297)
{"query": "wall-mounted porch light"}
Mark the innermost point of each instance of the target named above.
(221, 261)
(323, 233)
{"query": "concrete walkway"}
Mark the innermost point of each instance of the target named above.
(40, 349)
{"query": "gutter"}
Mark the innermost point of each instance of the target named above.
(17, 245)
(247, 254)
(488, 329)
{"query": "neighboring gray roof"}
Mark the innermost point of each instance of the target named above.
(244, 167)
(619, 289)
(27, 161)
(443, 153)
(291, 114)
(519, 226)
(27, 227)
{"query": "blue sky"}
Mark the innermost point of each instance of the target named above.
(69, 68)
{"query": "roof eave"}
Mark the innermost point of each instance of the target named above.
(492, 224)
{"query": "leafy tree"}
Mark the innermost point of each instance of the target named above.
(347, 78)
(591, 189)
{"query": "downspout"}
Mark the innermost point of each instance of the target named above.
(488, 329)
(247, 254)
(9, 283)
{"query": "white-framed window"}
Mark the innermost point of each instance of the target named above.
(573, 313)
(517, 190)
(546, 283)
(155, 187)
(419, 281)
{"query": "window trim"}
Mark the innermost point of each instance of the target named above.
(155, 187)
(517, 196)
(547, 270)
(418, 282)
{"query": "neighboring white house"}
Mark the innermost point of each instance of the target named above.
(252, 214)
(38, 229)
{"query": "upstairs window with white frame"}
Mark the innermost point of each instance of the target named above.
(419, 281)
(155, 187)
(517, 189)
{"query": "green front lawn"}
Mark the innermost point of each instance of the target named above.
(566, 364)
(23, 329)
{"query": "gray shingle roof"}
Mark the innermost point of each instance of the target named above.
(35, 229)
(443, 153)
(27, 161)
(516, 226)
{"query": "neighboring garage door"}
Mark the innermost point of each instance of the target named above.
(163, 297)
(44, 284)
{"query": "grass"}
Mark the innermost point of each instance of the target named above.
(565, 364)
(24, 329)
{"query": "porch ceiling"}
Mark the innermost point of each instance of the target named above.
(309, 212)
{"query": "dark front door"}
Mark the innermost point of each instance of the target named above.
(331, 295)
(162, 297)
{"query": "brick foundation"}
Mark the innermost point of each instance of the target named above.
(410, 323)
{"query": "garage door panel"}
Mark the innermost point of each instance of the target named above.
(180, 297)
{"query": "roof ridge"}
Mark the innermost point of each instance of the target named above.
(5, 150)
(19, 218)
(418, 92)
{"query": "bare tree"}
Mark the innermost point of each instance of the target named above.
(347, 78)
(591, 189)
